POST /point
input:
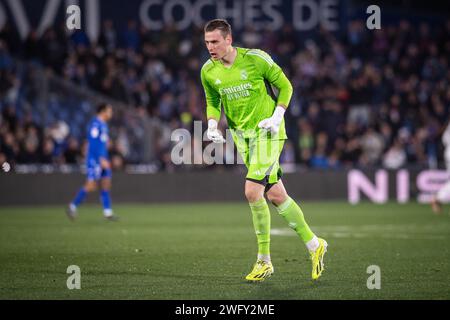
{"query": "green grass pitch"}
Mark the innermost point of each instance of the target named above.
(203, 251)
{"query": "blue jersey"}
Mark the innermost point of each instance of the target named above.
(97, 141)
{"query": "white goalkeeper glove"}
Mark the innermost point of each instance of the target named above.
(273, 123)
(213, 133)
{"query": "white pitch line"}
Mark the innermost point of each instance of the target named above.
(358, 234)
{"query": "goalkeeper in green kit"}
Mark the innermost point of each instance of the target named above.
(236, 78)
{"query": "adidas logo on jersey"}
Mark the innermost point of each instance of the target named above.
(218, 81)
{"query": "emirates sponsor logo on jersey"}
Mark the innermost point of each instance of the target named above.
(236, 92)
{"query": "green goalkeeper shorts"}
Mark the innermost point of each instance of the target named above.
(261, 157)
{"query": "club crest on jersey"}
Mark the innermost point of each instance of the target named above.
(244, 75)
(218, 81)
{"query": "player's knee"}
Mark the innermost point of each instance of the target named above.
(274, 198)
(277, 197)
(253, 194)
(90, 186)
(106, 186)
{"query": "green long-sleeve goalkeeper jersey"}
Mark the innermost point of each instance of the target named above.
(241, 89)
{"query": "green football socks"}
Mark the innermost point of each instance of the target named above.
(261, 223)
(292, 213)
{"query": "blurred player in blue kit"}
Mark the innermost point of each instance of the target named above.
(98, 166)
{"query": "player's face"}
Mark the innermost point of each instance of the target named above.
(108, 113)
(217, 45)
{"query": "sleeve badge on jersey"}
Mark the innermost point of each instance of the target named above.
(94, 132)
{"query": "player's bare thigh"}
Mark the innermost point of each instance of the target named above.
(90, 185)
(253, 191)
(105, 184)
(277, 194)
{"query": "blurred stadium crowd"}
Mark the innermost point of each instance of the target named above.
(362, 98)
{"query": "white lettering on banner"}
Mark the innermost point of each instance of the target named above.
(317, 13)
(155, 14)
(403, 186)
(18, 14)
(20, 18)
(48, 15)
(268, 9)
(197, 11)
(252, 11)
(149, 23)
(168, 13)
(257, 13)
(329, 15)
(428, 183)
(377, 192)
(92, 13)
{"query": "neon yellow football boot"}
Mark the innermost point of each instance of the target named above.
(261, 271)
(317, 259)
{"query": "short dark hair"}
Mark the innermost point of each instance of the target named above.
(102, 107)
(219, 24)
